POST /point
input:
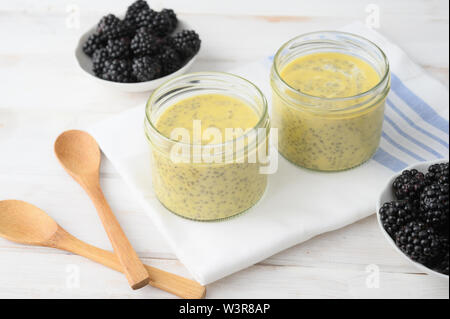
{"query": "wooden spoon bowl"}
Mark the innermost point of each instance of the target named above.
(78, 152)
(26, 224)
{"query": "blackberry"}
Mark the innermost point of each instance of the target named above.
(118, 48)
(438, 173)
(93, 43)
(409, 184)
(437, 219)
(396, 214)
(160, 24)
(170, 60)
(421, 243)
(146, 68)
(111, 27)
(434, 204)
(118, 70)
(186, 42)
(145, 17)
(134, 9)
(172, 17)
(98, 61)
(144, 43)
(164, 23)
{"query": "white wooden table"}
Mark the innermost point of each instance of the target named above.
(42, 93)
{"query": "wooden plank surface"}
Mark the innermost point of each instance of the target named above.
(43, 93)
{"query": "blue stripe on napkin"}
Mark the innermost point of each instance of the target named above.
(388, 160)
(425, 111)
(414, 125)
(412, 139)
(402, 148)
(384, 155)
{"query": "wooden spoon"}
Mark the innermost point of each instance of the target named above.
(79, 154)
(24, 223)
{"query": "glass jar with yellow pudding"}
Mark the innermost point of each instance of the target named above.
(328, 96)
(208, 135)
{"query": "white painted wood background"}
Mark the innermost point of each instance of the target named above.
(42, 93)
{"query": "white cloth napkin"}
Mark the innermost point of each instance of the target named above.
(299, 203)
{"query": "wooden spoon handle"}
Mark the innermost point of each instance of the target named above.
(174, 284)
(132, 267)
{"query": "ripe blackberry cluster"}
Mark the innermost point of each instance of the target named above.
(421, 243)
(434, 205)
(397, 214)
(141, 47)
(409, 184)
(186, 42)
(438, 173)
(418, 220)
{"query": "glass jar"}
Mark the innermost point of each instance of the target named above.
(230, 181)
(329, 134)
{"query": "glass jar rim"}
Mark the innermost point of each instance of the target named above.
(262, 119)
(338, 99)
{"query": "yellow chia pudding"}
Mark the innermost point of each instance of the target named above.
(206, 190)
(329, 109)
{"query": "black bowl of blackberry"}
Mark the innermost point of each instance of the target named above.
(145, 45)
(413, 212)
